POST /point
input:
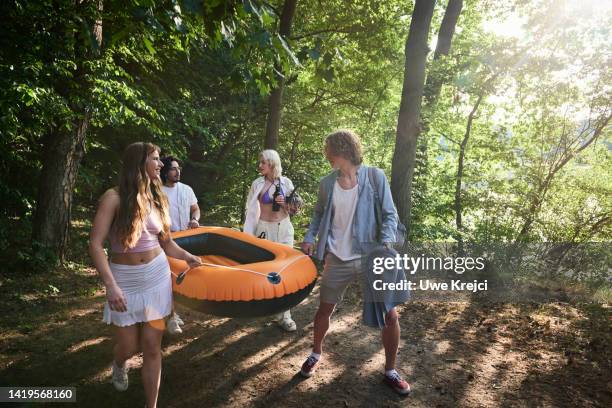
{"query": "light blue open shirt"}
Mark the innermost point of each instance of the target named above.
(365, 228)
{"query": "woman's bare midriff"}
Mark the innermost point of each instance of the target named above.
(135, 258)
(272, 216)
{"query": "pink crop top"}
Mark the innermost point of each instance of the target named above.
(148, 240)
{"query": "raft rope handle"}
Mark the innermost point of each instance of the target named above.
(266, 275)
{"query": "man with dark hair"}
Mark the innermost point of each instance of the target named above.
(184, 213)
(184, 210)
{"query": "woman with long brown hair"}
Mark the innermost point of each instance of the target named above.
(138, 283)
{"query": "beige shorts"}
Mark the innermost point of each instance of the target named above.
(276, 231)
(337, 274)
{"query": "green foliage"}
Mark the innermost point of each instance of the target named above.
(132, 84)
(194, 78)
(544, 99)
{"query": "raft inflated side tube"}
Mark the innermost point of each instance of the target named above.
(241, 275)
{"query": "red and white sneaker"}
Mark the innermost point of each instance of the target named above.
(395, 381)
(308, 368)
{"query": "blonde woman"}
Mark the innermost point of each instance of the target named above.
(267, 214)
(135, 217)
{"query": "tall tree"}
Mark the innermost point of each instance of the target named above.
(408, 122)
(460, 167)
(63, 145)
(436, 76)
(435, 80)
(276, 96)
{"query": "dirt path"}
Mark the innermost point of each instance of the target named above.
(470, 354)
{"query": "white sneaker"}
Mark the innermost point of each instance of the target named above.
(287, 324)
(178, 319)
(173, 325)
(120, 377)
(285, 321)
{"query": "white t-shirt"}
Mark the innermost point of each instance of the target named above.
(180, 197)
(340, 239)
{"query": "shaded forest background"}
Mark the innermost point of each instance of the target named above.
(490, 118)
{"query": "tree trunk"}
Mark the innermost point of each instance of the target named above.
(410, 108)
(296, 141)
(433, 87)
(276, 97)
(63, 151)
(459, 181)
(245, 183)
(445, 37)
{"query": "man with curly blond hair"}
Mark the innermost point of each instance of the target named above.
(347, 227)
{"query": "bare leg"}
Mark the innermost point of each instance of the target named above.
(126, 344)
(151, 337)
(285, 238)
(390, 338)
(321, 324)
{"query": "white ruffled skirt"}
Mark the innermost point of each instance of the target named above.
(147, 289)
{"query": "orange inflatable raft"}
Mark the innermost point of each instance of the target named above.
(240, 275)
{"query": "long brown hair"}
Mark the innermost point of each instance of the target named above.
(136, 193)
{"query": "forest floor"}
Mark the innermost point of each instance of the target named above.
(470, 353)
